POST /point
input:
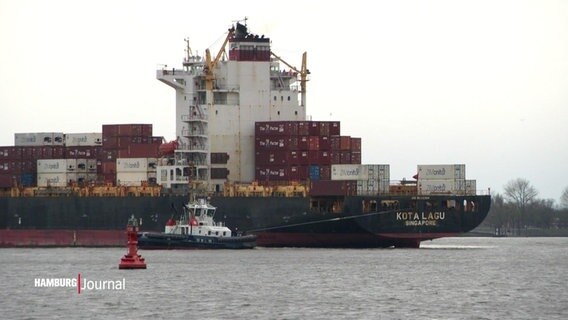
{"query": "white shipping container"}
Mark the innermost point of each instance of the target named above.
(448, 186)
(34, 139)
(348, 172)
(81, 165)
(471, 187)
(131, 179)
(57, 165)
(83, 139)
(369, 187)
(131, 165)
(380, 172)
(91, 165)
(441, 172)
(55, 179)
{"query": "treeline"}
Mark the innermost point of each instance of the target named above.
(519, 210)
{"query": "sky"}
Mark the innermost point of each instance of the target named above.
(484, 83)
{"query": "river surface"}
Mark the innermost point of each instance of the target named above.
(452, 278)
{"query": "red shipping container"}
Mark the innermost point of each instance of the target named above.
(79, 152)
(333, 188)
(315, 128)
(313, 143)
(303, 128)
(109, 167)
(272, 173)
(303, 143)
(7, 180)
(108, 155)
(10, 153)
(355, 157)
(324, 158)
(324, 143)
(325, 172)
(335, 157)
(334, 128)
(275, 128)
(313, 157)
(355, 144)
(275, 143)
(335, 143)
(303, 158)
(345, 143)
(345, 157)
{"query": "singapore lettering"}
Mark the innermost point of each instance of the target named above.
(413, 219)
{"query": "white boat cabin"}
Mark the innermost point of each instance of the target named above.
(198, 220)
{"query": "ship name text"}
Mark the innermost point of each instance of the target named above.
(412, 218)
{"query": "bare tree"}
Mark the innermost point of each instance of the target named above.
(564, 198)
(520, 193)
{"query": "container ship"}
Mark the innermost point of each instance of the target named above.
(243, 141)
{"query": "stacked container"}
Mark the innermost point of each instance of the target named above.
(371, 179)
(121, 141)
(441, 179)
(301, 150)
(135, 171)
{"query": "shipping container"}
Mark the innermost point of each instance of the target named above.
(303, 143)
(130, 178)
(56, 165)
(325, 172)
(55, 179)
(335, 128)
(275, 128)
(355, 158)
(7, 180)
(304, 128)
(372, 187)
(345, 143)
(136, 164)
(313, 143)
(324, 143)
(84, 152)
(345, 157)
(314, 173)
(471, 187)
(39, 139)
(355, 144)
(441, 172)
(349, 172)
(333, 188)
(276, 143)
(10, 153)
(448, 186)
(126, 130)
(91, 139)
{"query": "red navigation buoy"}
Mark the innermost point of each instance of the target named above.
(132, 260)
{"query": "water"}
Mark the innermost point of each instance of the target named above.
(453, 278)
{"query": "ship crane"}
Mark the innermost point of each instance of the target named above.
(210, 64)
(303, 72)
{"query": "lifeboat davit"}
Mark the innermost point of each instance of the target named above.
(168, 148)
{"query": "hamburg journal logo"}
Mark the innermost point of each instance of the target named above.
(80, 284)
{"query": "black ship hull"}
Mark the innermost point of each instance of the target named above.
(351, 222)
(162, 241)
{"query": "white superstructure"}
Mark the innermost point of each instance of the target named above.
(217, 103)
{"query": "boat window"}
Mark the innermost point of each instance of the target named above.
(451, 204)
(217, 233)
(224, 233)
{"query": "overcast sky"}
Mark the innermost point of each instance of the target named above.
(483, 83)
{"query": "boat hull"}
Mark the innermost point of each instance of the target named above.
(277, 221)
(163, 241)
